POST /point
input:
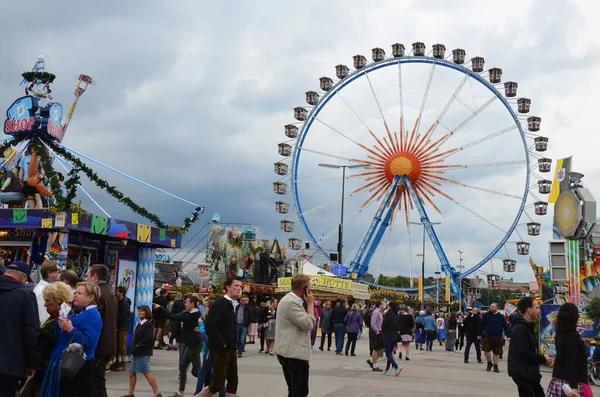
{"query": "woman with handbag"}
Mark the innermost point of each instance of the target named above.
(71, 368)
(353, 323)
(142, 350)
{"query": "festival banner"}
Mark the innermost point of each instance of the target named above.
(586, 327)
(448, 289)
(126, 278)
(561, 179)
(421, 288)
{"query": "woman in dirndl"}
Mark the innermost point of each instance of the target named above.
(570, 364)
(406, 327)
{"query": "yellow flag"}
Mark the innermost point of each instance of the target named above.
(561, 178)
(420, 287)
(448, 289)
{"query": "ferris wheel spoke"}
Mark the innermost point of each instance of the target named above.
(389, 145)
(471, 116)
(465, 104)
(484, 165)
(479, 216)
(491, 191)
(319, 180)
(304, 149)
(484, 139)
(326, 205)
(384, 148)
(424, 101)
(401, 105)
(451, 101)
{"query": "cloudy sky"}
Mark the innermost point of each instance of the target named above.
(193, 96)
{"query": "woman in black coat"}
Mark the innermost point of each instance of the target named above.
(570, 364)
(141, 350)
(390, 329)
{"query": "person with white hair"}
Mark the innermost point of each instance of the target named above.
(420, 330)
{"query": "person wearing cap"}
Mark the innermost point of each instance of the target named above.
(10, 188)
(20, 335)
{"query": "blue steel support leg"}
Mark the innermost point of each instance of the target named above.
(364, 265)
(356, 262)
(445, 264)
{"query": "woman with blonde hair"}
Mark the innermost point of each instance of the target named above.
(54, 296)
(82, 327)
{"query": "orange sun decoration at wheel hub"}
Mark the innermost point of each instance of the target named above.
(403, 164)
(417, 156)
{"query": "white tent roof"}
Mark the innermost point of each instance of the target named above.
(312, 270)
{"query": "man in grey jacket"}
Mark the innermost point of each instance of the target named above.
(292, 340)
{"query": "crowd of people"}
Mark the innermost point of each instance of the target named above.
(58, 315)
(63, 315)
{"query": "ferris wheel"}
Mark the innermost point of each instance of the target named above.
(417, 142)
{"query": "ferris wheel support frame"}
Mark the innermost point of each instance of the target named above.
(361, 266)
(437, 246)
(314, 112)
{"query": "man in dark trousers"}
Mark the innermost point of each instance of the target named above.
(243, 317)
(221, 329)
(524, 359)
(109, 310)
(19, 330)
(337, 317)
(123, 325)
(471, 330)
(159, 317)
(490, 331)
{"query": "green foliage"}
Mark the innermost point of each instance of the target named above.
(44, 77)
(400, 281)
(186, 289)
(593, 308)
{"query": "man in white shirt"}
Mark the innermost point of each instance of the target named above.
(50, 272)
(292, 340)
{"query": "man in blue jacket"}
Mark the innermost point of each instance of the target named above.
(19, 344)
(490, 331)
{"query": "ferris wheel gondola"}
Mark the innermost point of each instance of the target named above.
(426, 134)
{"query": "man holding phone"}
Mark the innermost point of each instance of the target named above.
(295, 321)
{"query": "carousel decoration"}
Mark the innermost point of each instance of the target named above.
(39, 126)
(401, 151)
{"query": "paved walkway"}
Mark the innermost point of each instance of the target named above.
(428, 374)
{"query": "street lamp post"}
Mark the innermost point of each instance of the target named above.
(341, 224)
(423, 259)
(460, 267)
(437, 291)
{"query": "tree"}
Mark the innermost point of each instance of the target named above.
(400, 281)
(593, 308)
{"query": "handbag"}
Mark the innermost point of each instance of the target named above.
(71, 360)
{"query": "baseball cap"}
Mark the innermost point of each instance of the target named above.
(21, 267)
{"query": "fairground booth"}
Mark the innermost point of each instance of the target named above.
(40, 218)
